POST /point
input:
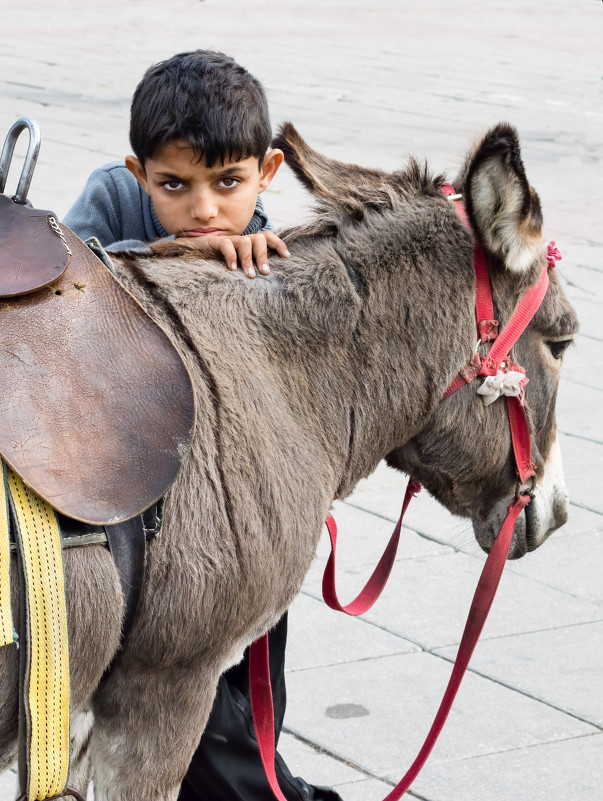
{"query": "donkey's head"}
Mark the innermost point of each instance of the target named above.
(460, 449)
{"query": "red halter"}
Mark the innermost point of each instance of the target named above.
(496, 363)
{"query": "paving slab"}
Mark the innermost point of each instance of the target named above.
(339, 638)
(579, 359)
(8, 785)
(363, 536)
(347, 711)
(549, 665)
(364, 790)
(583, 468)
(427, 601)
(565, 561)
(578, 408)
(316, 765)
(572, 769)
(382, 493)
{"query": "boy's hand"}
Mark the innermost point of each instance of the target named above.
(241, 251)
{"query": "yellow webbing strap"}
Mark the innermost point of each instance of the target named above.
(46, 685)
(6, 618)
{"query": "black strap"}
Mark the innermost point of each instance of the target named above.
(128, 542)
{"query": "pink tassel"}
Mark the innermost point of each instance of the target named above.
(553, 254)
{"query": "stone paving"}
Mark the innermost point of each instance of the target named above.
(370, 84)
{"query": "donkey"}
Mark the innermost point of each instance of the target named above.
(304, 380)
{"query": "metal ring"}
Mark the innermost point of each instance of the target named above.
(529, 490)
(31, 157)
(67, 791)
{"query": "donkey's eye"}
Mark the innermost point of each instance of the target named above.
(559, 348)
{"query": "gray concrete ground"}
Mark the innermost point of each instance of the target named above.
(370, 83)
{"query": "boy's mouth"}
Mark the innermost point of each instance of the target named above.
(204, 232)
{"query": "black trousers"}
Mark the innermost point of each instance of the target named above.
(227, 765)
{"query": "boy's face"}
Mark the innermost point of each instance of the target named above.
(193, 200)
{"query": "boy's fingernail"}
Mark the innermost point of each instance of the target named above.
(264, 269)
(251, 272)
(232, 266)
(287, 254)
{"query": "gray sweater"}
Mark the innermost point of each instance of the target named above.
(115, 209)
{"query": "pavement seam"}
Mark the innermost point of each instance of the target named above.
(349, 763)
(525, 747)
(431, 650)
(526, 694)
(429, 537)
(337, 757)
(470, 669)
(586, 508)
(580, 436)
(581, 383)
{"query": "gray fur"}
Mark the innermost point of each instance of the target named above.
(304, 381)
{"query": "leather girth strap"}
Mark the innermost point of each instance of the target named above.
(127, 543)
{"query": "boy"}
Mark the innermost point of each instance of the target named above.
(200, 132)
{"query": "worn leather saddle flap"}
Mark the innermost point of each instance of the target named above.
(96, 405)
(32, 254)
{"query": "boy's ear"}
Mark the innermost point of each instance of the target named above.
(137, 170)
(272, 161)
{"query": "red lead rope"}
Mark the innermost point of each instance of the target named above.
(259, 673)
(378, 580)
(261, 691)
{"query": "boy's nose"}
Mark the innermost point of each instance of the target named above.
(205, 207)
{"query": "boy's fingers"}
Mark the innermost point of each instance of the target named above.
(260, 253)
(276, 243)
(245, 254)
(228, 250)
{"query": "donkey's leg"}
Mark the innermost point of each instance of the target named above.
(147, 727)
(80, 767)
(9, 684)
(9, 704)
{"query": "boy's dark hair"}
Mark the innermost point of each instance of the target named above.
(206, 99)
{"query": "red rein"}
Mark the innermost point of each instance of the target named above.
(496, 360)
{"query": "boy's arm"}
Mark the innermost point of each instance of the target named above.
(100, 211)
(94, 211)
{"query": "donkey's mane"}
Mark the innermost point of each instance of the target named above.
(390, 193)
(344, 193)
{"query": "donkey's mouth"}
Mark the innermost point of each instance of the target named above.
(541, 517)
(524, 533)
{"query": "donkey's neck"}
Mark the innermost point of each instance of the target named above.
(413, 332)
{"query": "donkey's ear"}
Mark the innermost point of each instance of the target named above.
(344, 185)
(503, 208)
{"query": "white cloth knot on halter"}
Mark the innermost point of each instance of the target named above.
(510, 384)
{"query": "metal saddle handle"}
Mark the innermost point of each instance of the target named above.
(31, 157)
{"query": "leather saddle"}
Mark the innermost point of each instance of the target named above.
(96, 405)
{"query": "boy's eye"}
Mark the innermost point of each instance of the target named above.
(228, 182)
(171, 186)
